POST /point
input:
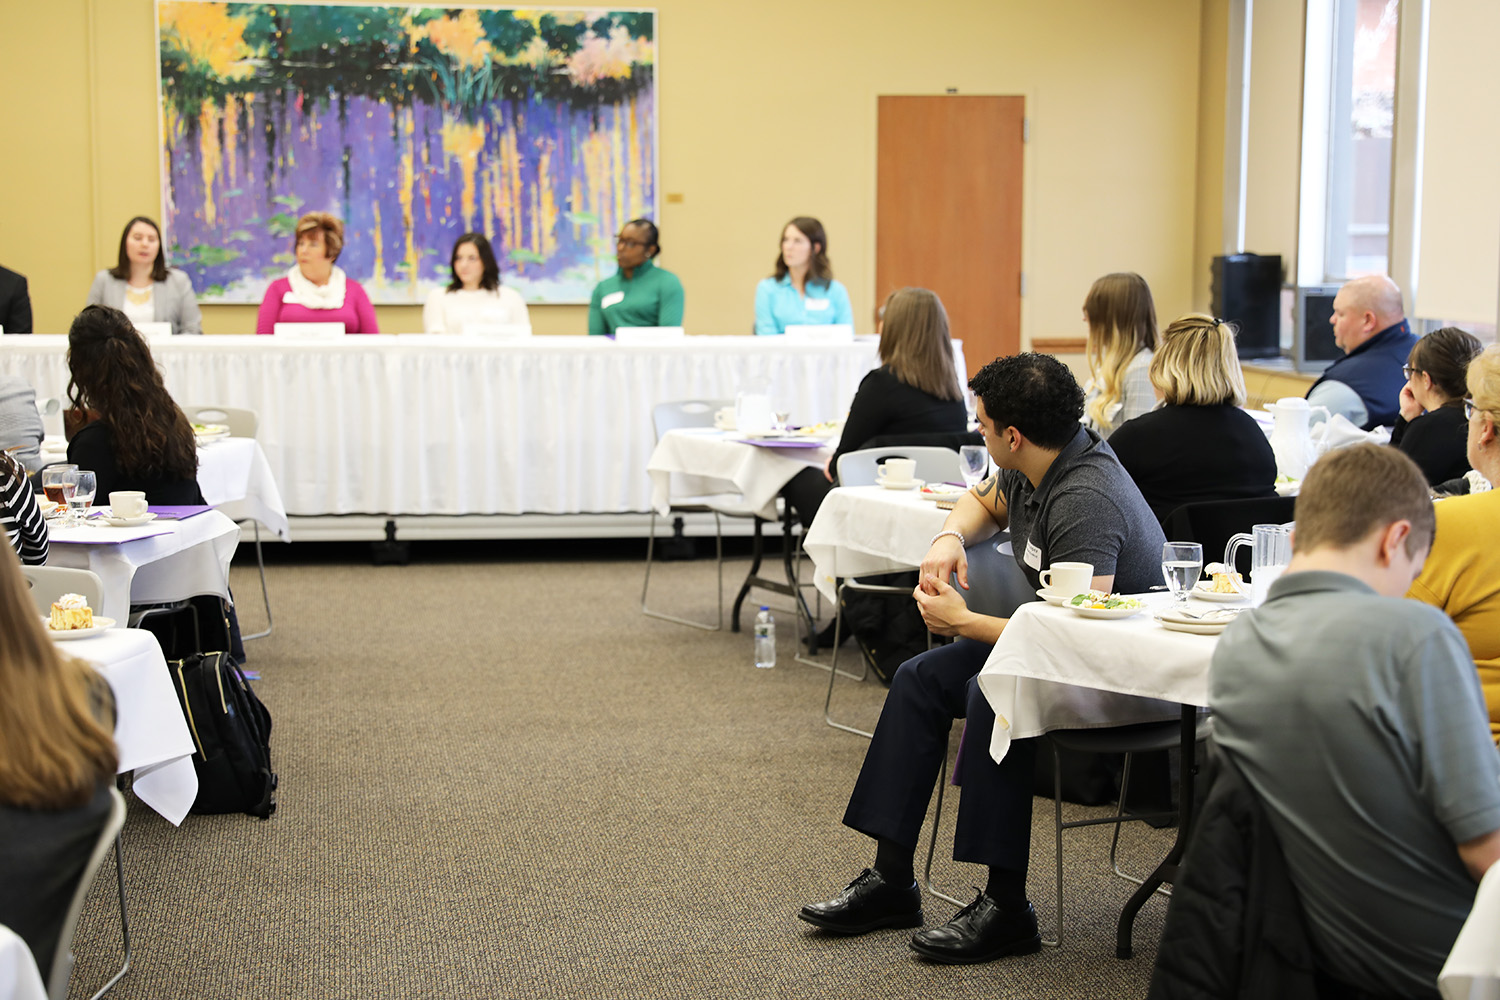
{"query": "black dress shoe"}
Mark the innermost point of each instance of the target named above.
(825, 637)
(980, 932)
(866, 904)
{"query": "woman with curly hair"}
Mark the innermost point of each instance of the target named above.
(57, 758)
(133, 436)
(1122, 335)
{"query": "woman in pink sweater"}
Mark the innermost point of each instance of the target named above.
(315, 290)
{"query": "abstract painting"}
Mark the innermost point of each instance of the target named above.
(413, 124)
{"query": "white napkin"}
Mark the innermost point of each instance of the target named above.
(1340, 432)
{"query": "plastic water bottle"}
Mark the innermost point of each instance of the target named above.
(765, 638)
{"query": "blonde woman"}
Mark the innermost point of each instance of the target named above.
(1199, 444)
(1122, 335)
(1462, 572)
(57, 758)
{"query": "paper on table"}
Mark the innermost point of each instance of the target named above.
(179, 513)
(103, 534)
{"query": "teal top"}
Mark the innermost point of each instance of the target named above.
(650, 297)
(778, 306)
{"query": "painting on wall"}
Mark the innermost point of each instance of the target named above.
(413, 124)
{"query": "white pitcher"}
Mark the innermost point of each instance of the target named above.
(1292, 437)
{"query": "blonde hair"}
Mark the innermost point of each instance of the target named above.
(1196, 363)
(331, 227)
(1122, 324)
(53, 750)
(915, 343)
(1484, 380)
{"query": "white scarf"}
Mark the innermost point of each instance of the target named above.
(305, 293)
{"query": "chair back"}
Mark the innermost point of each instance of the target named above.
(1212, 522)
(242, 423)
(996, 584)
(62, 959)
(934, 465)
(48, 583)
(686, 413)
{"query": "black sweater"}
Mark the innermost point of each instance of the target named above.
(1186, 454)
(92, 448)
(886, 405)
(1438, 441)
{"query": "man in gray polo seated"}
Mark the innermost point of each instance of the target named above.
(1357, 718)
(1065, 498)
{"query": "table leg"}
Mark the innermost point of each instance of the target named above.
(789, 566)
(1166, 872)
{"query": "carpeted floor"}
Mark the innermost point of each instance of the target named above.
(499, 779)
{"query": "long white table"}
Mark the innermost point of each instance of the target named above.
(419, 425)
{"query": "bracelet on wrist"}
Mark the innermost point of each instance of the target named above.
(949, 531)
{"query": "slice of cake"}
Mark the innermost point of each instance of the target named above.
(71, 611)
(1225, 580)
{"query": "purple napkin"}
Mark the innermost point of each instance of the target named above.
(178, 513)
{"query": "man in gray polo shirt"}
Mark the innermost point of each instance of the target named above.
(1357, 718)
(1065, 498)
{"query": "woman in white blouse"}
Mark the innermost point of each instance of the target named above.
(1122, 337)
(142, 286)
(475, 295)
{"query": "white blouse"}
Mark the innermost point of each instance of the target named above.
(142, 312)
(451, 312)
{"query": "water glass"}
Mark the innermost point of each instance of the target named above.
(974, 461)
(85, 486)
(1181, 565)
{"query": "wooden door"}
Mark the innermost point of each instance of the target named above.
(948, 212)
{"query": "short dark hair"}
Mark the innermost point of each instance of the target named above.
(653, 238)
(1034, 393)
(490, 280)
(1353, 491)
(158, 266)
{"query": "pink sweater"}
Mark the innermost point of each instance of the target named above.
(357, 315)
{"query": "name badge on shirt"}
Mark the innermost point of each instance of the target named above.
(613, 298)
(815, 305)
(1033, 556)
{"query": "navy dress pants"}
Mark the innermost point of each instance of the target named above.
(890, 798)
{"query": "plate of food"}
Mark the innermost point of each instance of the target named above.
(210, 432)
(1222, 585)
(1097, 604)
(48, 507)
(72, 618)
(943, 491)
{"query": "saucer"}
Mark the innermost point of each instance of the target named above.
(128, 522)
(903, 484)
(1054, 597)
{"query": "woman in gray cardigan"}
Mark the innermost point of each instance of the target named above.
(142, 287)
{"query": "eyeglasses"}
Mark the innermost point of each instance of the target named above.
(1469, 409)
(1408, 371)
(625, 241)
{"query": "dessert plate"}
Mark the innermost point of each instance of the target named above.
(1195, 628)
(1204, 591)
(62, 635)
(1106, 613)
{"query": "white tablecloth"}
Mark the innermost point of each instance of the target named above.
(455, 425)
(1053, 669)
(190, 558)
(19, 977)
(699, 462)
(1472, 971)
(151, 734)
(236, 478)
(862, 530)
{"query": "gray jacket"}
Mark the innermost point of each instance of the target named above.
(173, 300)
(20, 423)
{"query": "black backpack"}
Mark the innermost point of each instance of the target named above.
(230, 726)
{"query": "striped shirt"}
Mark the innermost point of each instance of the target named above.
(20, 516)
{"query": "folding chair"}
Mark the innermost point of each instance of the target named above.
(48, 583)
(62, 960)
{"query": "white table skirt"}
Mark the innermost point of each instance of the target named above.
(191, 558)
(700, 462)
(454, 425)
(1472, 971)
(19, 977)
(236, 478)
(150, 732)
(1053, 669)
(862, 530)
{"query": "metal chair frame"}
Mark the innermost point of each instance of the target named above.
(62, 959)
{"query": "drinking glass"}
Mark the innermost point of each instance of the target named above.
(1181, 565)
(974, 461)
(85, 485)
(52, 483)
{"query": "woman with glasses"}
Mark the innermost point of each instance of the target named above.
(1431, 427)
(1462, 572)
(640, 294)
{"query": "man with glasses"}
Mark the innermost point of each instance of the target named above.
(1369, 326)
(640, 293)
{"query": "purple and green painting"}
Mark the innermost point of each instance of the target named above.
(413, 124)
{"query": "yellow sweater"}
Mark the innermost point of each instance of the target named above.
(1462, 576)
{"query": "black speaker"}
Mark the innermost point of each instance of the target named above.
(1313, 348)
(1247, 292)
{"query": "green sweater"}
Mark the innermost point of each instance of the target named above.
(651, 297)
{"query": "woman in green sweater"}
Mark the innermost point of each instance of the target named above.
(640, 294)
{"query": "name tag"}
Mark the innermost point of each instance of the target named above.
(613, 298)
(815, 305)
(1033, 557)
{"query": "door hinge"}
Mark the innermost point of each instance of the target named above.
(1023, 284)
(1025, 129)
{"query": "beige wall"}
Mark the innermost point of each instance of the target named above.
(1208, 236)
(759, 122)
(1274, 168)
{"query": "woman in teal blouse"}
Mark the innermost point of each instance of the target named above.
(802, 292)
(640, 294)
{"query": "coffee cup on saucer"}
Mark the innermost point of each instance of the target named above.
(128, 504)
(1067, 578)
(897, 472)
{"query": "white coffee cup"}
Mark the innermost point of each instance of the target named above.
(896, 471)
(724, 418)
(127, 503)
(1067, 578)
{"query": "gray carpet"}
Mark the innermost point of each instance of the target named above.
(499, 779)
